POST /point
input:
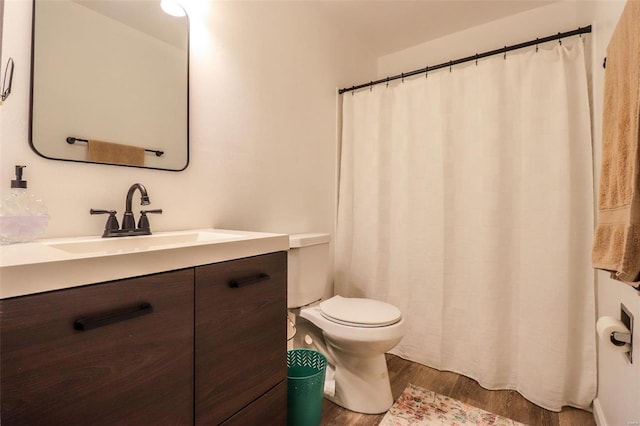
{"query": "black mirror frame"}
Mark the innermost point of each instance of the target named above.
(33, 31)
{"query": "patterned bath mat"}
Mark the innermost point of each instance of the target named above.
(417, 406)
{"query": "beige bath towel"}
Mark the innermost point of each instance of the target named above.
(115, 153)
(616, 246)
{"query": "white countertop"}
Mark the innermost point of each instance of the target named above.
(46, 265)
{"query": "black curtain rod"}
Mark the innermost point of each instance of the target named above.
(504, 50)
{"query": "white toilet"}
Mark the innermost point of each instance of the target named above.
(353, 333)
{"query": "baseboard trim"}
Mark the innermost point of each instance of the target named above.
(598, 415)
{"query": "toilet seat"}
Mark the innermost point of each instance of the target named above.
(359, 312)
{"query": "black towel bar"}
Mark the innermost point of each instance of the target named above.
(71, 140)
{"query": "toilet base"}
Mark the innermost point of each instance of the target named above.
(362, 384)
(361, 375)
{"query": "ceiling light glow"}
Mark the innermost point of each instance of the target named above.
(172, 7)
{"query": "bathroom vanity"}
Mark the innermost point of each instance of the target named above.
(200, 340)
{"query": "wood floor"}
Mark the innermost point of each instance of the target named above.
(505, 403)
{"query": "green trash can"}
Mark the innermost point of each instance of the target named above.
(305, 387)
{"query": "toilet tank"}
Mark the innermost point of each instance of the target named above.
(308, 266)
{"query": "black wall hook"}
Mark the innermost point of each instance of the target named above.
(8, 75)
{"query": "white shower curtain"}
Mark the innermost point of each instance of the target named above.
(465, 199)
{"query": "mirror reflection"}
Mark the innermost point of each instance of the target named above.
(110, 83)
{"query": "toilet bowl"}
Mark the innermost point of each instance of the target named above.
(356, 350)
(353, 333)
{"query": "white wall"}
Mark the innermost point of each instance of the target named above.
(263, 126)
(618, 401)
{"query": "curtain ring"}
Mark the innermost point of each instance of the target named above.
(450, 64)
(402, 74)
(371, 86)
(505, 52)
(560, 40)
(387, 81)
(536, 44)
(426, 72)
(476, 59)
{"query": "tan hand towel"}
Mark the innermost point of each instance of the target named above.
(616, 245)
(115, 153)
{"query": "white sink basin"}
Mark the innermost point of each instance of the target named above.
(144, 242)
(46, 265)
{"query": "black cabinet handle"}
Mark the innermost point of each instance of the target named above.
(241, 282)
(91, 322)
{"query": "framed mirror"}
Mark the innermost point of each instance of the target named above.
(110, 83)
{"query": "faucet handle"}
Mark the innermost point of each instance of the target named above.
(143, 223)
(112, 221)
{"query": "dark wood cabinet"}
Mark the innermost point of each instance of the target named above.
(240, 338)
(134, 367)
(269, 409)
(202, 345)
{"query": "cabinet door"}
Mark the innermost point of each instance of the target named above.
(240, 334)
(135, 368)
(269, 409)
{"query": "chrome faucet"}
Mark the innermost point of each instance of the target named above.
(128, 221)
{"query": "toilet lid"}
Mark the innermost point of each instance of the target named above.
(359, 312)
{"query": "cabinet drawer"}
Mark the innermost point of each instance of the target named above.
(270, 408)
(240, 334)
(136, 369)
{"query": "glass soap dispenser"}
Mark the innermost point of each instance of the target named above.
(23, 217)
